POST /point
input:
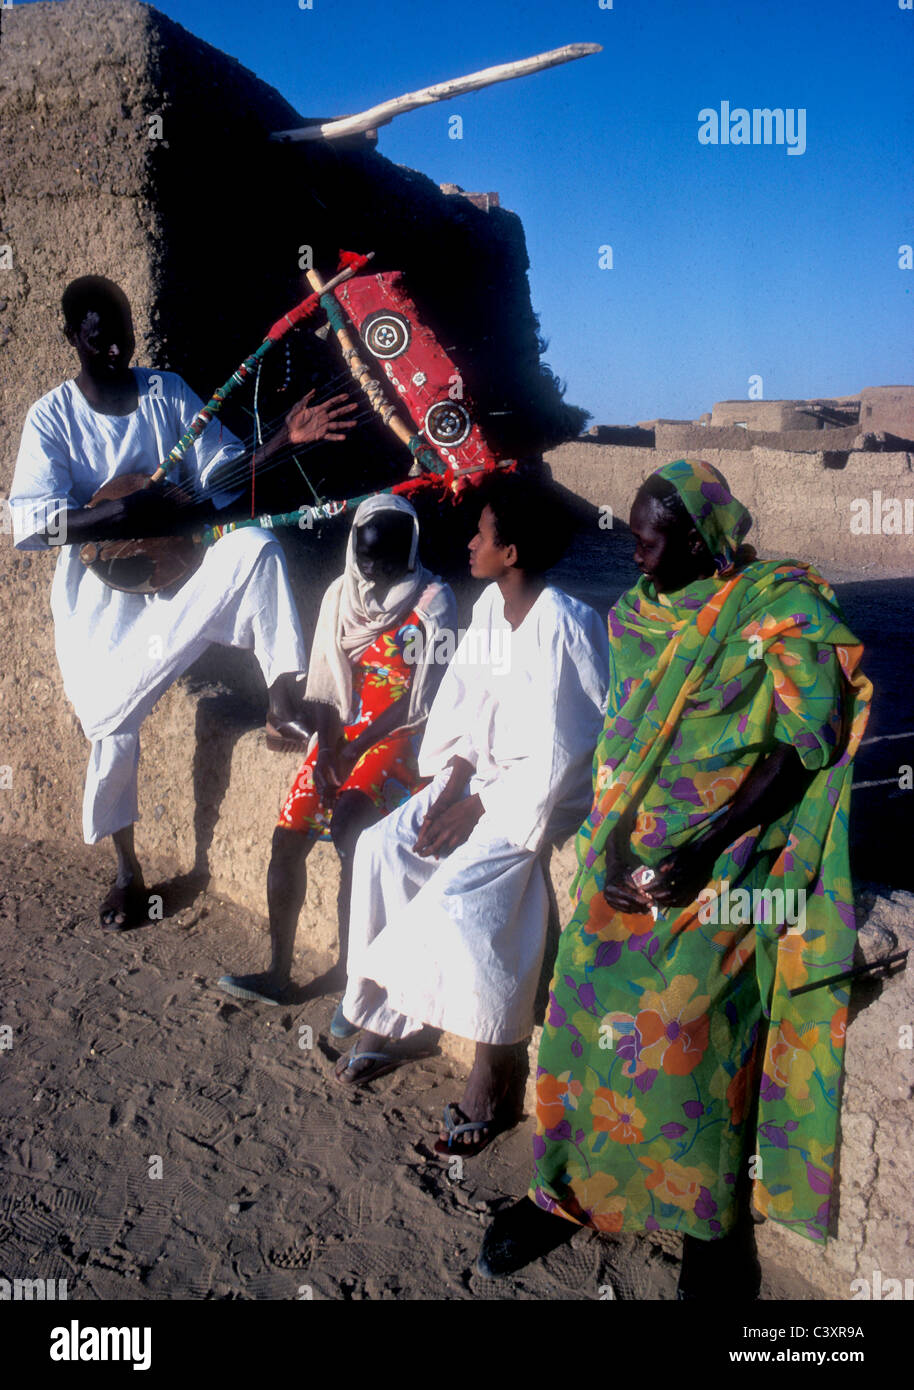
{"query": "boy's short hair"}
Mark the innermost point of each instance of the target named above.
(530, 514)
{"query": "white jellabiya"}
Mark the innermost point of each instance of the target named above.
(119, 652)
(530, 735)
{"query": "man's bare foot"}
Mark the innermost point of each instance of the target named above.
(368, 1058)
(125, 905)
(258, 989)
(482, 1101)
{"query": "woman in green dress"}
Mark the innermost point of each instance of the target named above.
(681, 1079)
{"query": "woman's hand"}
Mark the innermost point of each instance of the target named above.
(326, 780)
(620, 889)
(683, 874)
(332, 767)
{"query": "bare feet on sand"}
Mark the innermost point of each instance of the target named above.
(125, 905)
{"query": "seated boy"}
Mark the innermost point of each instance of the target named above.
(449, 902)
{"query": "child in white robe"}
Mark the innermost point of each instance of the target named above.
(457, 941)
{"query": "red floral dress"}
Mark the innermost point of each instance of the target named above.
(388, 772)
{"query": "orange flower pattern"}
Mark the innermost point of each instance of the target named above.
(676, 1030)
(387, 772)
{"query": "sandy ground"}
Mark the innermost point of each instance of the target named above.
(273, 1181)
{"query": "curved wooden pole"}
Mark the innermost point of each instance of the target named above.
(364, 378)
(386, 111)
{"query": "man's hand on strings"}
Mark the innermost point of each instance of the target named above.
(309, 424)
(153, 510)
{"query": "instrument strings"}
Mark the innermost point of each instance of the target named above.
(237, 473)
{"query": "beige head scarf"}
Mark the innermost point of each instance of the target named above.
(355, 611)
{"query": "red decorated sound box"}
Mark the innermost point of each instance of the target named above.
(419, 371)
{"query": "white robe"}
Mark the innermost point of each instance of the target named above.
(119, 652)
(458, 943)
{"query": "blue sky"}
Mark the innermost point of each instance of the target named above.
(728, 261)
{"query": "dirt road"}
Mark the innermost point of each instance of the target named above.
(159, 1142)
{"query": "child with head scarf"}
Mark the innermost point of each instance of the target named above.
(370, 684)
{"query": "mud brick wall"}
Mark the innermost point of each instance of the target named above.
(800, 503)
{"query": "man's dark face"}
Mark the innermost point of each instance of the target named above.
(105, 343)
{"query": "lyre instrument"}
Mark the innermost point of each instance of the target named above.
(447, 446)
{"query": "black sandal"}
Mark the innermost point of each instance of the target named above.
(518, 1236)
(132, 899)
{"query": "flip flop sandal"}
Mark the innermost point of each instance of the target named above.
(229, 985)
(385, 1062)
(278, 742)
(456, 1123)
(340, 1027)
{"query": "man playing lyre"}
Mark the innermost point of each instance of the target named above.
(119, 651)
